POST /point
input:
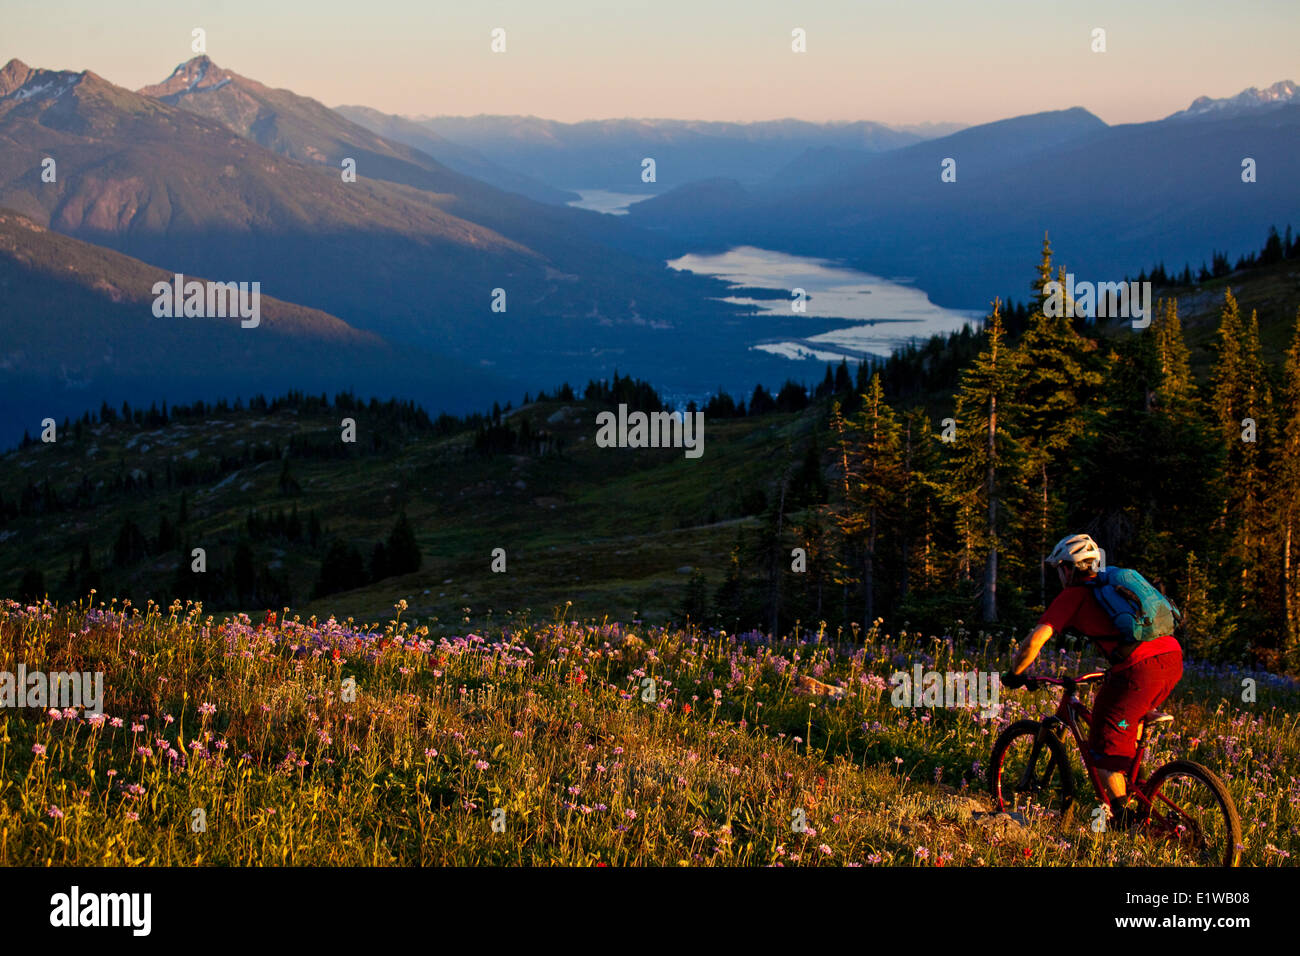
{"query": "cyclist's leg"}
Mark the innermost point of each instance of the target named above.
(1170, 665)
(1171, 672)
(1117, 712)
(1122, 701)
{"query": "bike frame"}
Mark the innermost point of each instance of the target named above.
(1069, 712)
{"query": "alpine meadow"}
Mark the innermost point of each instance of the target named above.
(877, 459)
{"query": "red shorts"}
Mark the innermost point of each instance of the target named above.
(1122, 700)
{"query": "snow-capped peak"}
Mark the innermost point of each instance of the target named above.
(1284, 91)
(21, 82)
(196, 75)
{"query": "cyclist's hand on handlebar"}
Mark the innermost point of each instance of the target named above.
(1013, 680)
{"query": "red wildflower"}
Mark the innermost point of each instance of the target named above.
(686, 708)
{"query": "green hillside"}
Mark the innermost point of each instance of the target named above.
(1272, 290)
(290, 515)
(610, 529)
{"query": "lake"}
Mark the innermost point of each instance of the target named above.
(884, 313)
(603, 200)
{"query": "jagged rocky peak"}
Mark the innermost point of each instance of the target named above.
(14, 74)
(1281, 92)
(22, 82)
(195, 75)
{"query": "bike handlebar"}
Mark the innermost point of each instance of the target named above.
(1071, 684)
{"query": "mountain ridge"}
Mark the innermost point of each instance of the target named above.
(303, 128)
(78, 327)
(416, 261)
(1107, 195)
(1251, 98)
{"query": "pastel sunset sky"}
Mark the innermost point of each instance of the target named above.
(893, 61)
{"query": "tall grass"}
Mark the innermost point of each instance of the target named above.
(720, 761)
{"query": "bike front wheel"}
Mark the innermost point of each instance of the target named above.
(1191, 811)
(1029, 773)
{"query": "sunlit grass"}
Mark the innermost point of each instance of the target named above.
(248, 722)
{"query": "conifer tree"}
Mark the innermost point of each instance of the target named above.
(876, 479)
(846, 522)
(924, 508)
(1057, 374)
(402, 551)
(812, 533)
(1176, 391)
(1151, 473)
(695, 600)
(729, 599)
(987, 458)
(1286, 497)
(379, 562)
(1207, 628)
(1039, 284)
(131, 544)
(341, 570)
(1241, 405)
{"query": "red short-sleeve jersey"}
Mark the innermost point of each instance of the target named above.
(1077, 607)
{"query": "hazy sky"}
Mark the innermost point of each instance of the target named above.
(897, 62)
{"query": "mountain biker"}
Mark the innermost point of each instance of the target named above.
(1141, 675)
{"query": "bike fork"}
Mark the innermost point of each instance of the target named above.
(1049, 726)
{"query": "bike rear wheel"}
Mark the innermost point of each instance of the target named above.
(1029, 773)
(1193, 813)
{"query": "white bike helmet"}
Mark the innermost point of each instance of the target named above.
(1078, 550)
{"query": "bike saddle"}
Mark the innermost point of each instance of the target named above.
(1153, 718)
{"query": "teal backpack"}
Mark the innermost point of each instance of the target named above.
(1135, 607)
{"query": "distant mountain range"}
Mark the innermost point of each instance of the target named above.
(607, 154)
(187, 192)
(1248, 100)
(78, 327)
(218, 176)
(387, 282)
(1113, 198)
(302, 128)
(460, 158)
